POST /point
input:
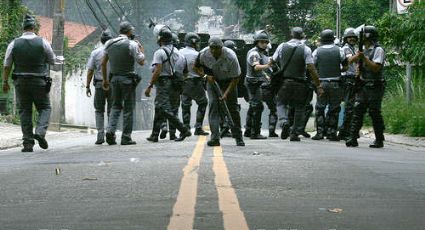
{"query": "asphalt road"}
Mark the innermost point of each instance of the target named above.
(269, 184)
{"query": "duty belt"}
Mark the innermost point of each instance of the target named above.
(331, 79)
(295, 79)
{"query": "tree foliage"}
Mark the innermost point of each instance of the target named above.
(312, 15)
(12, 13)
(405, 34)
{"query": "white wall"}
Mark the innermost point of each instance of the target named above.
(79, 109)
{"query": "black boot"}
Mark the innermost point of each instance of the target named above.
(173, 136)
(256, 131)
(258, 137)
(183, 135)
(285, 132)
(351, 142)
(272, 133)
(247, 132)
(318, 136)
(110, 139)
(294, 137)
(201, 132)
(377, 144)
(127, 141)
(239, 141)
(41, 141)
(305, 134)
(163, 133)
(152, 138)
(28, 147)
(332, 137)
(213, 143)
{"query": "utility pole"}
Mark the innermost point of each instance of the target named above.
(56, 71)
(338, 19)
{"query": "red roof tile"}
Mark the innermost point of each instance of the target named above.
(75, 32)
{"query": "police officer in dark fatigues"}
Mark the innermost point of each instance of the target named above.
(101, 97)
(257, 64)
(293, 58)
(163, 63)
(348, 81)
(308, 105)
(224, 130)
(30, 56)
(193, 86)
(220, 64)
(122, 53)
(328, 59)
(180, 69)
(267, 96)
(371, 89)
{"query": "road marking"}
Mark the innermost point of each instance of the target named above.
(184, 208)
(228, 202)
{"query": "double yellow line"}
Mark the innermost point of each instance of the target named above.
(184, 209)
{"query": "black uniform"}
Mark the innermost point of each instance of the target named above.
(369, 98)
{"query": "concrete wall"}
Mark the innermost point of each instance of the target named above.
(79, 109)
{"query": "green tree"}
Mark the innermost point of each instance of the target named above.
(353, 13)
(403, 35)
(12, 13)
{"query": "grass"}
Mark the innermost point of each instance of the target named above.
(401, 117)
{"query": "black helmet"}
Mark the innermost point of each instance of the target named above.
(371, 33)
(191, 38)
(165, 35)
(106, 35)
(327, 36)
(230, 44)
(297, 33)
(349, 33)
(261, 36)
(175, 39)
(28, 22)
(125, 27)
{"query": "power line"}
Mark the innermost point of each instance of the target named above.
(115, 10)
(104, 15)
(95, 15)
(81, 16)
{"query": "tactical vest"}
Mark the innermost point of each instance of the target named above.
(250, 71)
(352, 68)
(296, 67)
(328, 62)
(120, 60)
(369, 75)
(29, 57)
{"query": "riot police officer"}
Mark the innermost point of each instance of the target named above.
(257, 64)
(180, 69)
(122, 53)
(30, 56)
(224, 130)
(101, 97)
(372, 86)
(348, 80)
(328, 59)
(293, 58)
(193, 85)
(164, 73)
(220, 64)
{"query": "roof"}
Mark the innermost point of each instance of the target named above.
(75, 32)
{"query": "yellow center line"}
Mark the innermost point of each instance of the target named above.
(233, 217)
(184, 208)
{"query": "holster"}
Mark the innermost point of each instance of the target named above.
(48, 83)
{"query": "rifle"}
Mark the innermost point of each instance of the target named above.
(358, 82)
(222, 105)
